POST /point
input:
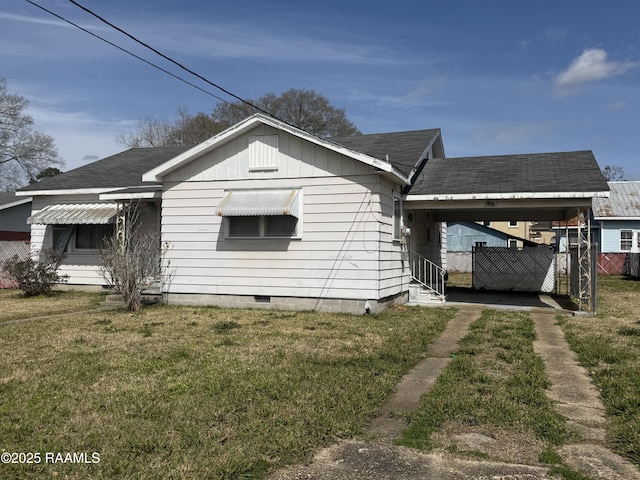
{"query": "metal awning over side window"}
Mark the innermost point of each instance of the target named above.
(244, 203)
(75, 213)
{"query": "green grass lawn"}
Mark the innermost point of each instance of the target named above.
(608, 346)
(181, 392)
(14, 305)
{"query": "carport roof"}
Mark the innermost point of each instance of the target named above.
(538, 173)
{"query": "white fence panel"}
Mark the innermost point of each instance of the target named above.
(512, 269)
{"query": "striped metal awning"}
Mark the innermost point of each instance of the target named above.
(75, 213)
(244, 203)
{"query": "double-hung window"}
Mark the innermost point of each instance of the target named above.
(626, 240)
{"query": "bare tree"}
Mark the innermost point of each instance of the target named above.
(613, 173)
(304, 109)
(23, 152)
(186, 130)
(131, 260)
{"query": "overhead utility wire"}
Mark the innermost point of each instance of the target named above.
(90, 12)
(128, 52)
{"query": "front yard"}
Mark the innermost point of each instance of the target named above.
(182, 392)
(179, 392)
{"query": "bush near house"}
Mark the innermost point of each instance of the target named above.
(35, 277)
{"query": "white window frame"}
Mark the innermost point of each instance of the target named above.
(72, 245)
(624, 240)
(512, 243)
(397, 217)
(513, 224)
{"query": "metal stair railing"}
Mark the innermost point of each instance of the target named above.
(428, 274)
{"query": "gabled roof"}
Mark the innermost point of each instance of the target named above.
(156, 174)
(623, 202)
(118, 171)
(536, 175)
(403, 150)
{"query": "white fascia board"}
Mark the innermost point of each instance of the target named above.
(79, 191)
(159, 172)
(507, 196)
(21, 201)
(131, 196)
(615, 219)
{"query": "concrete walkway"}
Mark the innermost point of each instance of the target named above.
(375, 457)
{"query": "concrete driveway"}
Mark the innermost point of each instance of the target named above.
(375, 457)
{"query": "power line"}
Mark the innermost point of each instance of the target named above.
(169, 59)
(127, 52)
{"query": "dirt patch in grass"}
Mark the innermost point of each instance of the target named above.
(490, 442)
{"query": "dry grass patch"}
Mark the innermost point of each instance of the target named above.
(181, 392)
(608, 346)
(14, 305)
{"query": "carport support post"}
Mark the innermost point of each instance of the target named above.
(586, 290)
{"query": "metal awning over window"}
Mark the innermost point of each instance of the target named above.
(243, 203)
(75, 213)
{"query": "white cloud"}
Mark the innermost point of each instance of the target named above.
(589, 67)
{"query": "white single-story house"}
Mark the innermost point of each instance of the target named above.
(267, 215)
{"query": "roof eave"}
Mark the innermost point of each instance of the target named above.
(506, 196)
(17, 203)
(67, 191)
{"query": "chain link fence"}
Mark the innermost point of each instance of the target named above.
(7, 251)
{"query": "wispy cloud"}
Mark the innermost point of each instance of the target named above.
(619, 105)
(502, 135)
(589, 67)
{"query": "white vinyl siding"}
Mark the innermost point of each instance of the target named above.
(297, 158)
(346, 250)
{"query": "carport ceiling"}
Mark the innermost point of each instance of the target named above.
(543, 186)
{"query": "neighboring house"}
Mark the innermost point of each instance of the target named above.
(517, 230)
(14, 212)
(619, 218)
(267, 215)
(463, 236)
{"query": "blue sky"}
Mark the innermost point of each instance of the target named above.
(498, 77)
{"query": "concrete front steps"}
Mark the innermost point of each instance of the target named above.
(419, 295)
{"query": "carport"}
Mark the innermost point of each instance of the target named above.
(529, 187)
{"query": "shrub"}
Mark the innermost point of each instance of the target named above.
(35, 277)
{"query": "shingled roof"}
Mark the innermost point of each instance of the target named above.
(401, 149)
(503, 174)
(122, 170)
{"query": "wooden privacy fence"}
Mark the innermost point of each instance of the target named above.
(511, 269)
(7, 251)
